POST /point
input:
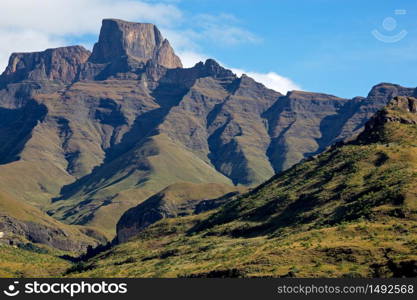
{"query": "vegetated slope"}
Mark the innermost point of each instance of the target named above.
(179, 199)
(34, 262)
(86, 136)
(23, 226)
(31, 241)
(350, 211)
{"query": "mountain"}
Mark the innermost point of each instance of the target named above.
(85, 136)
(348, 212)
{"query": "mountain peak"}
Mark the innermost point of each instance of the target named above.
(386, 90)
(212, 68)
(140, 41)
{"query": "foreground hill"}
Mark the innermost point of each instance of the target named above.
(86, 136)
(351, 211)
(179, 199)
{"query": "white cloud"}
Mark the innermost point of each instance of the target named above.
(62, 17)
(190, 58)
(271, 80)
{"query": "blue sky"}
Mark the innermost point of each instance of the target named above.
(315, 45)
(323, 45)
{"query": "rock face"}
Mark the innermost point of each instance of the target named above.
(88, 137)
(38, 233)
(140, 41)
(20, 223)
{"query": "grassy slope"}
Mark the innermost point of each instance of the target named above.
(351, 211)
(178, 199)
(149, 174)
(15, 262)
(42, 261)
(181, 193)
(165, 250)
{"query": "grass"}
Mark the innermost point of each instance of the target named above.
(349, 212)
(165, 250)
(15, 262)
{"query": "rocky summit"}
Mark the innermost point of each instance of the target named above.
(139, 41)
(60, 64)
(86, 136)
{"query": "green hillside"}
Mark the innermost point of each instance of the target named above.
(351, 211)
(179, 199)
(23, 224)
(16, 262)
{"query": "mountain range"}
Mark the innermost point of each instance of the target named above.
(348, 212)
(98, 146)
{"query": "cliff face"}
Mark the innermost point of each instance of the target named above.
(142, 42)
(302, 124)
(21, 223)
(402, 110)
(61, 64)
(86, 137)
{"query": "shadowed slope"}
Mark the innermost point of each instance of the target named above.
(21, 223)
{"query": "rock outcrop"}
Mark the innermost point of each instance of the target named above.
(21, 223)
(60, 64)
(139, 41)
(401, 109)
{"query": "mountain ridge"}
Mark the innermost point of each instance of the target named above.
(348, 212)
